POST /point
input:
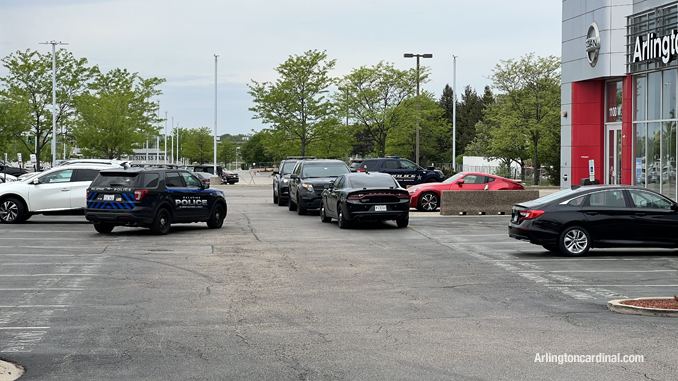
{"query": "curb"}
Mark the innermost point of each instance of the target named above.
(10, 371)
(618, 307)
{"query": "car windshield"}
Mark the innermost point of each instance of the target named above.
(324, 170)
(554, 196)
(288, 167)
(114, 180)
(360, 182)
(454, 178)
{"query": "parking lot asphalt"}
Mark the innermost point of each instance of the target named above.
(277, 296)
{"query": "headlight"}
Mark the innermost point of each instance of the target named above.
(285, 181)
(308, 187)
(413, 190)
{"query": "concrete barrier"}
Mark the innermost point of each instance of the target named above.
(483, 202)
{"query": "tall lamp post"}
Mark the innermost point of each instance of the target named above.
(165, 145)
(54, 44)
(454, 115)
(410, 55)
(214, 171)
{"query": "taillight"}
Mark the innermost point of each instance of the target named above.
(355, 196)
(403, 195)
(360, 170)
(139, 194)
(530, 214)
(87, 194)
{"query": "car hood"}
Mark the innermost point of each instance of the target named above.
(425, 186)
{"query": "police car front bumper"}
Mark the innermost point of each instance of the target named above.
(140, 216)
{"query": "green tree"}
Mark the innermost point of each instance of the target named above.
(372, 94)
(226, 152)
(296, 105)
(198, 145)
(531, 89)
(13, 124)
(29, 86)
(117, 114)
(254, 150)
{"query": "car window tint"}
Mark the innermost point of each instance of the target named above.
(577, 201)
(391, 164)
(57, 177)
(86, 174)
(324, 170)
(490, 179)
(608, 199)
(406, 164)
(150, 180)
(114, 180)
(288, 167)
(474, 179)
(368, 164)
(339, 183)
(359, 182)
(649, 200)
(191, 182)
(173, 180)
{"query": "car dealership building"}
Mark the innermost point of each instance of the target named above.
(619, 82)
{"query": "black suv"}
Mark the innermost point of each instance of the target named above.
(281, 178)
(6, 168)
(309, 178)
(404, 171)
(153, 198)
(227, 177)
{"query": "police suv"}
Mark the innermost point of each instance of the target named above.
(153, 198)
(404, 171)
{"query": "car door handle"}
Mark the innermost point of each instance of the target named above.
(65, 189)
(641, 214)
(592, 213)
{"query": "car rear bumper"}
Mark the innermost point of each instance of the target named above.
(534, 236)
(140, 216)
(378, 216)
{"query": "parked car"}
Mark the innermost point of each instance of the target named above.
(281, 178)
(404, 171)
(209, 168)
(426, 197)
(572, 221)
(365, 197)
(204, 176)
(355, 165)
(8, 169)
(308, 179)
(60, 190)
(7, 178)
(230, 177)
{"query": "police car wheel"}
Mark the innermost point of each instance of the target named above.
(103, 228)
(341, 221)
(12, 211)
(290, 205)
(275, 196)
(431, 180)
(301, 210)
(217, 218)
(162, 222)
(323, 215)
(403, 223)
(281, 201)
(428, 202)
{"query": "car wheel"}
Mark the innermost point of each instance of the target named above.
(103, 228)
(301, 210)
(428, 202)
(290, 205)
(575, 241)
(341, 221)
(281, 201)
(12, 211)
(403, 223)
(275, 196)
(431, 180)
(217, 218)
(162, 222)
(323, 216)
(551, 248)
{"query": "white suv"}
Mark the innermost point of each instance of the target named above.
(59, 190)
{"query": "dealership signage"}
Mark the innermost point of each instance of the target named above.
(593, 44)
(663, 47)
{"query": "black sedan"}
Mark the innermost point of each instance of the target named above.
(365, 197)
(230, 177)
(574, 220)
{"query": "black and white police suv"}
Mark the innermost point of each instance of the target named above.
(154, 198)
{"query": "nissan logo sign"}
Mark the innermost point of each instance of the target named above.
(593, 44)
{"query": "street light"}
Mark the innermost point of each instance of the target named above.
(215, 115)
(410, 55)
(54, 44)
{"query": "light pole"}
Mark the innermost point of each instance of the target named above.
(215, 115)
(454, 114)
(165, 146)
(54, 44)
(410, 55)
(172, 142)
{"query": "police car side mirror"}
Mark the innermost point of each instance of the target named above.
(294, 176)
(206, 185)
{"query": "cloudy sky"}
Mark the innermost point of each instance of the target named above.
(177, 40)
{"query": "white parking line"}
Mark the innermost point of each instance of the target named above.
(595, 271)
(21, 328)
(51, 263)
(42, 289)
(30, 275)
(38, 306)
(617, 285)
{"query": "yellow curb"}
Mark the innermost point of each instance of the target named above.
(617, 306)
(9, 371)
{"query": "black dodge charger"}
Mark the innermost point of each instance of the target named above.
(365, 197)
(572, 221)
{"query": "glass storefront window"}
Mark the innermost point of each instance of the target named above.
(641, 98)
(640, 141)
(654, 90)
(613, 103)
(653, 158)
(669, 94)
(668, 159)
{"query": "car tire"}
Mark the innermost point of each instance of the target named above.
(281, 201)
(275, 196)
(574, 241)
(431, 180)
(162, 222)
(323, 216)
(341, 221)
(428, 202)
(103, 228)
(12, 211)
(301, 210)
(217, 217)
(290, 205)
(551, 248)
(403, 222)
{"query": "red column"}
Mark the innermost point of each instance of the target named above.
(588, 129)
(628, 161)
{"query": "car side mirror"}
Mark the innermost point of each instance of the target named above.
(276, 172)
(674, 207)
(294, 176)
(206, 185)
(331, 184)
(35, 181)
(460, 182)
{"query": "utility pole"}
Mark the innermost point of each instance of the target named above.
(172, 142)
(214, 172)
(410, 55)
(165, 146)
(54, 112)
(454, 114)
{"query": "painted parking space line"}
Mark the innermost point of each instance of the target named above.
(44, 289)
(616, 285)
(51, 263)
(21, 328)
(38, 306)
(595, 271)
(34, 275)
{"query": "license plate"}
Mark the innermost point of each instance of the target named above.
(108, 197)
(380, 208)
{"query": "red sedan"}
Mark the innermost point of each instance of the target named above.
(426, 197)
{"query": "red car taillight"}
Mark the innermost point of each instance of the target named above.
(139, 194)
(530, 214)
(87, 194)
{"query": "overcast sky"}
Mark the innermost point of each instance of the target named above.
(177, 40)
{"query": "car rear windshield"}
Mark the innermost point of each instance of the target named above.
(324, 170)
(368, 164)
(126, 180)
(368, 181)
(554, 196)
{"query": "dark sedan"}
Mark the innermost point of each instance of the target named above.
(573, 221)
(230, 177)
(365, 197)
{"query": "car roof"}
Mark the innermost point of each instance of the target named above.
(362, 174)
(137, 170)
